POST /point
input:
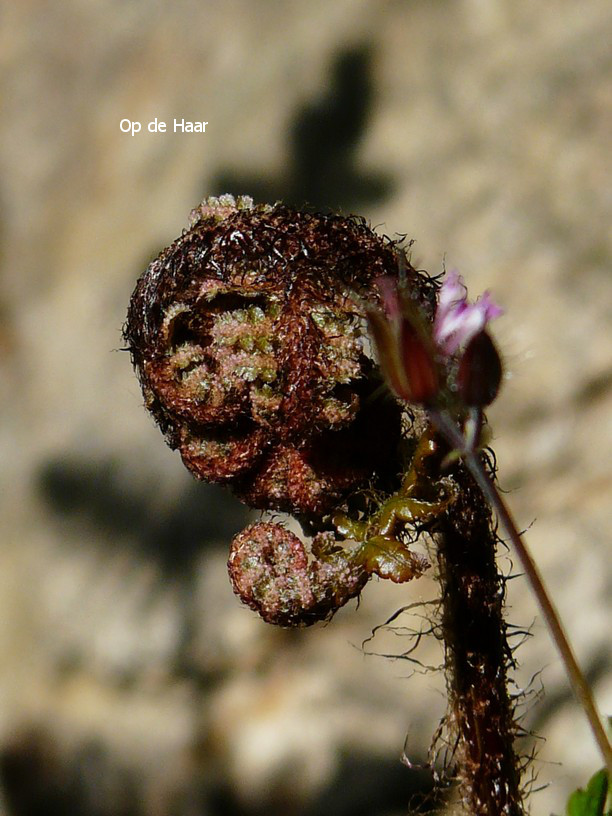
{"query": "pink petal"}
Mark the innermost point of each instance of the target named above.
(459, 328)
(452, 292)
(457, 321)
(491, 309)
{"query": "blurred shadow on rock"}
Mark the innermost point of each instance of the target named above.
(173, 536)
(39, 778)
(324, 138)
(371, 786)
(38, 781)
(364, 785)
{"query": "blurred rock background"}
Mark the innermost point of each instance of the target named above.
(131, 680)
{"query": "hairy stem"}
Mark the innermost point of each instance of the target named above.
(477, 656)
(577, 679)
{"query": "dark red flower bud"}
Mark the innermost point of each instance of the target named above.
(384, 334)
(405, 351)
(480, 371)
(418, 363)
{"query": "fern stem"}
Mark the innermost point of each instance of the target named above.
(576, 678)
(477, 656)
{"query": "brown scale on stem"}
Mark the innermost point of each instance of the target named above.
(477, 656)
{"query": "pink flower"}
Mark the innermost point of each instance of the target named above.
(457, 321)
(411, 352)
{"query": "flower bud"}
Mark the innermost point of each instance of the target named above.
(406, 353)
(418, 363)
(480, 372)
(384, 335)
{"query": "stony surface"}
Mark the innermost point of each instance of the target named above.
(478, 127)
